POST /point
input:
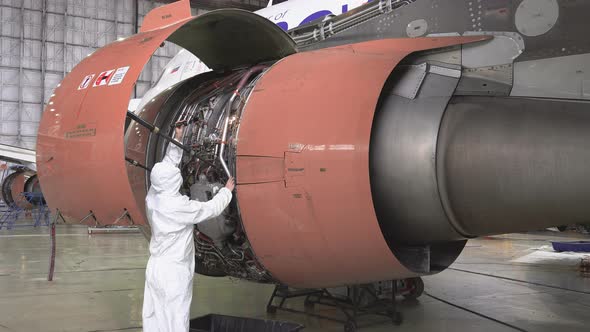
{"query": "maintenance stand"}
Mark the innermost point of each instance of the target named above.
(359, 300)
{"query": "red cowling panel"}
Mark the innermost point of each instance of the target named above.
(80, 149)
(166, 15)
(317, 227)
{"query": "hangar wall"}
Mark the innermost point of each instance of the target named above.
(42, 40)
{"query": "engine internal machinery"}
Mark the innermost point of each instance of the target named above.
(211, 114)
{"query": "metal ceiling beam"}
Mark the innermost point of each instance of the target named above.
(65, 44)
(16, 154)
(43, 60)
(21, 54)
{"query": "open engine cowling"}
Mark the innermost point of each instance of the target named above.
(349, 160)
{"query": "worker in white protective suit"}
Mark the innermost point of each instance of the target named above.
(170, 269)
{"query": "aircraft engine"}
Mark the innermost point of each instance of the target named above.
(354, 163)
(16, 184)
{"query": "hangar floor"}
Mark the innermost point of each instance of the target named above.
(498, 284)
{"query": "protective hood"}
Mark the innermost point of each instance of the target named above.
(165, 178)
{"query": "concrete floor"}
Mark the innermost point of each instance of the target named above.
(98, 286)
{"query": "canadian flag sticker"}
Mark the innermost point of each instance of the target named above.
(103, 78)
(86, 82)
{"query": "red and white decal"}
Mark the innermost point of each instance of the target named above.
(118, 76)
(103, 78)
(86, 82)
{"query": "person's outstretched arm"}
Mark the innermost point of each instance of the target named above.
(174, 153)
(195, 212)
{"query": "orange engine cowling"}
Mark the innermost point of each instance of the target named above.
(304, 189)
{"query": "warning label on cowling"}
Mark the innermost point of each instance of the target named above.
(118, 76)
(103, 78)
(81, 131)
(86, 82)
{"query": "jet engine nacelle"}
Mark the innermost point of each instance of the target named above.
(354, 163)
(17, 184)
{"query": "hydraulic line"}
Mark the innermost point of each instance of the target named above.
(227, 112)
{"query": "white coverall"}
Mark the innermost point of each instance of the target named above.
(169, 275)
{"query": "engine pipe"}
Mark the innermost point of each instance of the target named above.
(236, 93)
